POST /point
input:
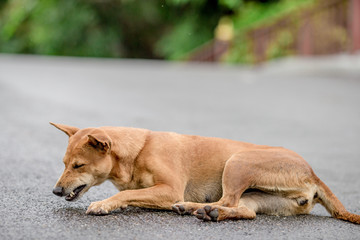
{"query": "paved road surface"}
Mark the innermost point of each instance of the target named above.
(310, 107)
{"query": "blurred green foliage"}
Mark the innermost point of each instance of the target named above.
(166, 29)
(253, 15)
(55, 28)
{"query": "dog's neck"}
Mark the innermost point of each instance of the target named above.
(126, 145)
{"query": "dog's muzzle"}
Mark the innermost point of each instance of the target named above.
(60, 191)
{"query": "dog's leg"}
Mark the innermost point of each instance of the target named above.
(255, 202)
(276, 170)
(158, 197)
(235, 181)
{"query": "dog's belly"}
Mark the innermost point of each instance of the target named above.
(202, 193)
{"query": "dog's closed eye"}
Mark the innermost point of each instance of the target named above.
(78, 166)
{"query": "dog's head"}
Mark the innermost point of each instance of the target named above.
(87, 161)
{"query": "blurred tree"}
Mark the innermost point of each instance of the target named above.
(192, 23)
(254, 15)
(112, 28)
(54, 27)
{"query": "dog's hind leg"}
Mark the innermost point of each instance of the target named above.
(238, 175)
(236, 179)
(272, 170)
(252, 203)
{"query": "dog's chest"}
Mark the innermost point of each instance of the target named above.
(144, 181)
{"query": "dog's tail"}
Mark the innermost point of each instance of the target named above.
(333, 204)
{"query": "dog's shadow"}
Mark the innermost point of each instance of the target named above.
(69, 211)
(142, 215)
(80, 212)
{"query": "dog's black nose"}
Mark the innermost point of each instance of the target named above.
(58, 191)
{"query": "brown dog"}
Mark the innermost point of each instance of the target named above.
(212, 178)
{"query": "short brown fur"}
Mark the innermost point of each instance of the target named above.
(212, 178)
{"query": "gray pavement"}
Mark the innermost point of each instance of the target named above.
(309, 105)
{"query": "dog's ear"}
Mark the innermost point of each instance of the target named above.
(66, 129)
(99, 142)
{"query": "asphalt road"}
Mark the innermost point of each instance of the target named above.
(312, 107)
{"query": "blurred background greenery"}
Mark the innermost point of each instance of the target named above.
(151, 29)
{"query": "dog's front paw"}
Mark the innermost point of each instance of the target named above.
(184, 208)
(98, 208)
(179, 209)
